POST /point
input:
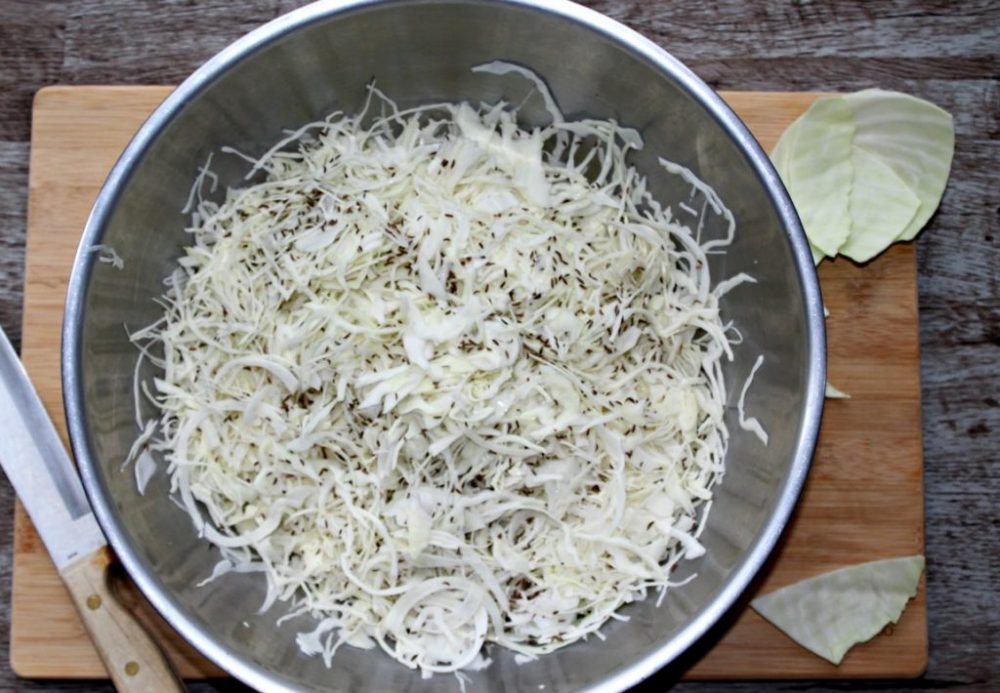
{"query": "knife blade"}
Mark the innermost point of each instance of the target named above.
(45, 478)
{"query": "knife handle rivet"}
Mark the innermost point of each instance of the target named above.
(132, 668)
(94, 602)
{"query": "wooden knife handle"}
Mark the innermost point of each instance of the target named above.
(132, 659)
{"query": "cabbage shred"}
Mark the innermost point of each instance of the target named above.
(445, 380)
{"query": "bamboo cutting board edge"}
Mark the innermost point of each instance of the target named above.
(82, 129)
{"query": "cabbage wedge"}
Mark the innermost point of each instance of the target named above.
(830, 613)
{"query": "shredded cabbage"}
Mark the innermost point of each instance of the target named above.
(446, 380)
(751, 424)
(108, 255)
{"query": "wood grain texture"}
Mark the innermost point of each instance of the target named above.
(131, 656)
(859, 504)
(937, 49)
(59, 202)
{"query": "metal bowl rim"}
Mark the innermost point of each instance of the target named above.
(150, 585)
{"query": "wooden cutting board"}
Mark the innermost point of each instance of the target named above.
(863, 501)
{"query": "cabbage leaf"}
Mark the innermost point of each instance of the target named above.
(819, 167)
(865, 170)
(915, 138)
(880, 205)
(830, 613)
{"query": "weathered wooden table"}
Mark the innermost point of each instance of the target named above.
(943, 51)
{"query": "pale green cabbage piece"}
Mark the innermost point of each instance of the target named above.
(817, 254)
(835, 393)
(780, 156)
(783, 149)
(915, 138)
(830, 613)
(857, 193)
(820, 160)
(880, 205)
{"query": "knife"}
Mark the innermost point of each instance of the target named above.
(45, 478)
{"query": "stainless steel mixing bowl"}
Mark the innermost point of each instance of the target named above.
(318, 59)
